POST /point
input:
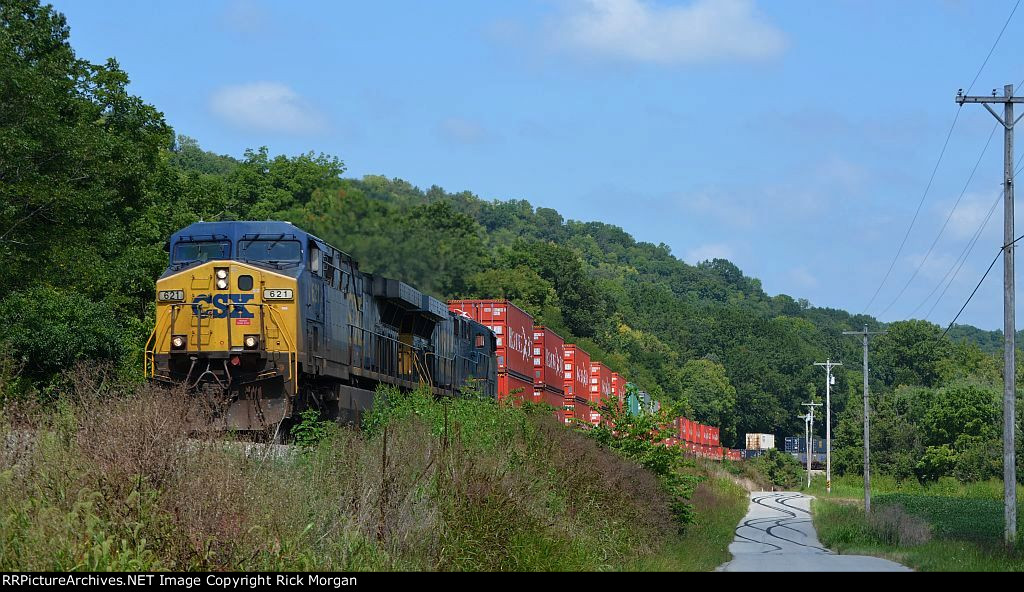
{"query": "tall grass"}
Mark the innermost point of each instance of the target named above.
(852, 487)
(844, 528)
(109, 479)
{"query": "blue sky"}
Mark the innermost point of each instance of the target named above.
(795, 138)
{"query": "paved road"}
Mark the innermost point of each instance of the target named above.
(777, 535)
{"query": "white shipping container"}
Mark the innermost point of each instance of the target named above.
(760, 441)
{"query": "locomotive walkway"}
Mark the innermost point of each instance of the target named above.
(777, 535)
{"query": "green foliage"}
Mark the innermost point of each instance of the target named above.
(844, 528)
(52, 329)
(640, 438)
(962, 518)
(707, 389)
(92, 182)
(779, 467)
(310, 431)
(936, 462)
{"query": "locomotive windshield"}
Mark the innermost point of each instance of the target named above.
(270, 250)
(188, 252)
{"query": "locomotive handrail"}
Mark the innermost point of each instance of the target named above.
(293, 353)
(149, 355)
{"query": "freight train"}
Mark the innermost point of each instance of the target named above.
(265, 320)
(262, 320)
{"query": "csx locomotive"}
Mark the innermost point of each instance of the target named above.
(263, 320)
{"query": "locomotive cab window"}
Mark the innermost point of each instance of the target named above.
(187, 252)
(270, 250)
(314, 258)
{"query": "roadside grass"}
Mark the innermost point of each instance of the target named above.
(924, 532)
(719, 505)
(107, 479)
(852, 487)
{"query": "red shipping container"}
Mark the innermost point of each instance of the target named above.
(600, 382)
(513, 329)
(619, 387)
(575, 372)
(552, 398)
(508, 383)
(548, 356)
(585, 412)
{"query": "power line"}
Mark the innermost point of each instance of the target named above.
(903, 243)
(935, 169)
(946, 223)
(959, 262)
(990, 265)
(1000, 36)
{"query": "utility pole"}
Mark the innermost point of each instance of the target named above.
(867, 439)
(1009, 364)
(828, 364)
(810, 436)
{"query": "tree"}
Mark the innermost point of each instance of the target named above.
(76, 150)
(707, 388)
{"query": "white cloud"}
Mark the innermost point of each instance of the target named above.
(709, 251)
(640, 30)
(266, 107)
(459, 130)
(969, 214)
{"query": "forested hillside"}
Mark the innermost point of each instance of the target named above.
(93, 181)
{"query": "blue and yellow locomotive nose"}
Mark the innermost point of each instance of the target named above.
(230, 326)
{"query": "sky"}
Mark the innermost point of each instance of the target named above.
(794, 138)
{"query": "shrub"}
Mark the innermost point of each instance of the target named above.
(778, 467)
(894, 526)
(51, 330)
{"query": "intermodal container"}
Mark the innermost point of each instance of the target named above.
(618, 388)
(513, 329)
(714, 436)
(548, 356)
(600, 382)
(760, 441)
(585, 412)
(575, 372)
(511, 386)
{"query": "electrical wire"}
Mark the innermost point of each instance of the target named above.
(958, 263)
(966, 252)
(946, 223)
(990, 266)
(942, 153)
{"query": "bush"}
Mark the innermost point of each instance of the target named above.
(50, 330)
(108, 478)
(894, 526)
(937, 462)
(778, 467)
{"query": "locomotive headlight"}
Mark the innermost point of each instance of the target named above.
(222, 284)
(178, 342)
(222, 274)
(251, 341)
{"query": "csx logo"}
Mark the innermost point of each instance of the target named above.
(223, 305)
